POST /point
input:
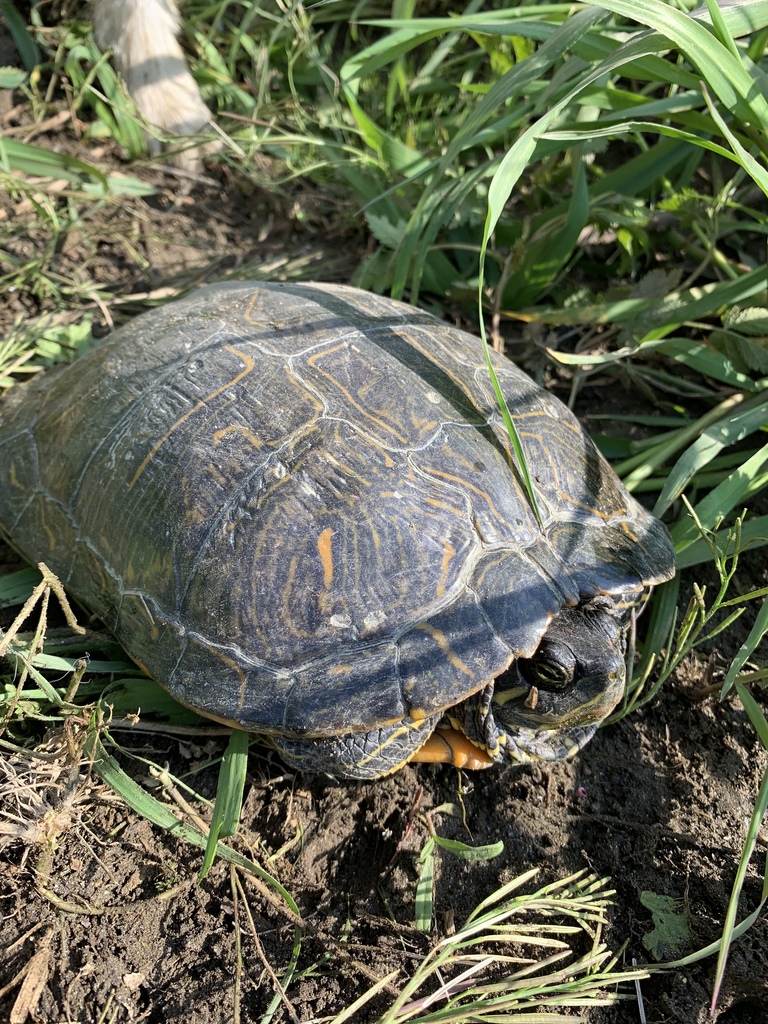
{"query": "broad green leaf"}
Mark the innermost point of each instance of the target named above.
(670, 925)
(470, 853)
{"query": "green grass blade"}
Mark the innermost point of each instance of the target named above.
(721, 29)
(761, 807)
(755, 713)
(755, 170)
(657, 638)
(704, 360)
(722, 69)
(502, 183)
(107, 768)
(470, 853)
(40, 162)
(734, 492)
(229, 796)
(510, 86)
(17, 586)
(727, 431)
(23, 41)
(546, 257)
(425, 887)
(747, 649)
(754, 533)
(35, 161)
(639, 466)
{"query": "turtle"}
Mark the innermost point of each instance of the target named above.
(296, 507)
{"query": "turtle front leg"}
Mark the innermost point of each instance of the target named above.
(359, 755)
(449, 746)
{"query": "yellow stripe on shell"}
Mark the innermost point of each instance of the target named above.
(442, 642)
(249, 365)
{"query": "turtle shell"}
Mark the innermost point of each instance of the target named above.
(294, 505)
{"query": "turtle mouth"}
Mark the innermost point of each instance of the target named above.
(528, 705)
(547, 724)
(547, 744)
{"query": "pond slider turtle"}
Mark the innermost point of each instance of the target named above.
(293, 505)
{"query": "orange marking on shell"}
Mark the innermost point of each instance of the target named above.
(422, 425)
(388, 461)
(435, 503)
(249, 364)
(46, 528)
(630, 533)
(216, 474)
(339, 670)
(449, 553)
(347, 469)
(388, 427)
(237, 669)
(326, 555)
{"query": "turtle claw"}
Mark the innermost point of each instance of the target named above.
(448, 746)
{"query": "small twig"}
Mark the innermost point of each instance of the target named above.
(238, 982)
(35, 977)
(186, 807)
(639, 994)
(20, 942)
(49, 583)
(260, 949)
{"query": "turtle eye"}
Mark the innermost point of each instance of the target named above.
(549, 675)
(553, 666)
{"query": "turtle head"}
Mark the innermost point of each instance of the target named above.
(549, 705)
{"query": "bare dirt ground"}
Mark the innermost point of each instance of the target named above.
(103, 909)
(659, 802)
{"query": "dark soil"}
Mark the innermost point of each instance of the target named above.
(104, 909)
(659, 802)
